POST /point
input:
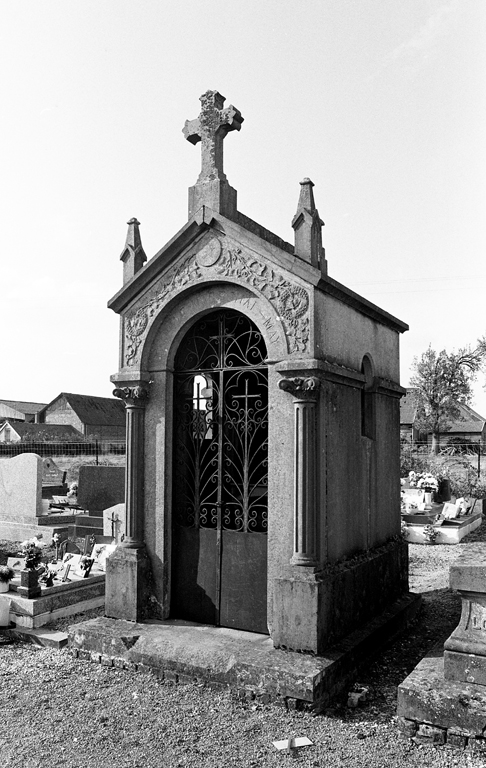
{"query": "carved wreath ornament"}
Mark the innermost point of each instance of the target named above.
(289, 300)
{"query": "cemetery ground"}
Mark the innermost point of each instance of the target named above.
(60, 711)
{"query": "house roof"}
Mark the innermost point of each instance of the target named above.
(408, 408)
(99, 411)
(41, 431)
(22, 406)
(7, 412)
(469, 420)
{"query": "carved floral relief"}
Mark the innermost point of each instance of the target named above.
(290, 301)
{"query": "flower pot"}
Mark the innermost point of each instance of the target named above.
(4, 612)
(4, 586)
(29, 583)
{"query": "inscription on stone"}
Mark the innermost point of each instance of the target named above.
(290, 301)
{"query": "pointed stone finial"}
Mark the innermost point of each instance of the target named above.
(133, 255)
(210, 128)
(307, 226)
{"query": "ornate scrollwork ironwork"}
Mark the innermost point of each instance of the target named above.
(221, 425)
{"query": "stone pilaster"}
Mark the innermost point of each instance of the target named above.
(134, 399)
(128, 569)
(305, 392)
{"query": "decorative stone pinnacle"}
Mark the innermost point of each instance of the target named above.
(210, 128)
(133, 255)
(307, 226)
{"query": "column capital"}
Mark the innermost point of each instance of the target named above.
(302, 388)
(136, 395)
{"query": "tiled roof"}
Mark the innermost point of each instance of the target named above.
(24, 407)
(407, 408)
(470, 420)
(96, 411)
(42, 431)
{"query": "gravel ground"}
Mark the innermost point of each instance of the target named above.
(60, 711)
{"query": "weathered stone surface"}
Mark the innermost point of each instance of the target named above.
(127, 580)
(20, 496)
(426, 697)
(468, 571)
(465, 649)
(100, 487)
(242, 660)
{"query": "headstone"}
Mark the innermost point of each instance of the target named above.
(20, 496)
(100, 487)
(114, 522)
(51, 474)
(448, 694)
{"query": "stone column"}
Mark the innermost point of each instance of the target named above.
(305, 392)
(135, 399)
(128, 569)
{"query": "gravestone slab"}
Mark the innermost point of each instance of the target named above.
(449, 691)
(20, 495)
(100, 488)
(114, 522)
(51, 474)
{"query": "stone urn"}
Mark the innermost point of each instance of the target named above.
(29, 583)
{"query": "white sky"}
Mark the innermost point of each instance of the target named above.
(380, 102)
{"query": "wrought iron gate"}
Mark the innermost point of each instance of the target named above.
(219, 550)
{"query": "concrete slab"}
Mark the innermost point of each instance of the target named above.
(244, 661)
(47, 638)
(448, 707)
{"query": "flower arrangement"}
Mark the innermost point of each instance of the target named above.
(424, 480)
(31, 550)
(431, 533)
(6, 574)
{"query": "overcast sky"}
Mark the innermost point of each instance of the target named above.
(380, 102)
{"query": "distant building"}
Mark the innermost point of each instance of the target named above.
(19, 410)
(13, 431)
(470, 427)
(93, 417)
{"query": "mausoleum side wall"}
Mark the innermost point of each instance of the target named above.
(345, 335)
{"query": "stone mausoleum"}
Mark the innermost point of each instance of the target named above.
(262, 398)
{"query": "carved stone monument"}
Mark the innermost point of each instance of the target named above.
(262, 396)
(444, 699)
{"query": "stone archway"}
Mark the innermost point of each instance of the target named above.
(220, 474)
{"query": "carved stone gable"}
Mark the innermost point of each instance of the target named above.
(217, 258)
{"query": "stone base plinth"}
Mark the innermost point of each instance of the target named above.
(440, 711)
(244, 661)
(312, 611)
(127, 584)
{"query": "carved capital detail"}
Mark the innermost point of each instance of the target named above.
(302, 388)
(137, 395)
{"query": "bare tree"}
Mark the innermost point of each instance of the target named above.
(441, 382)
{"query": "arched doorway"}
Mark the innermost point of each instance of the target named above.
(219, 541)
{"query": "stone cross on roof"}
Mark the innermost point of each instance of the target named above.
(210, 128)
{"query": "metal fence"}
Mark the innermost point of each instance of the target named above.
(96, 448)
(473, 453)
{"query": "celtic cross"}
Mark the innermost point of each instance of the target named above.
(210, 128)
